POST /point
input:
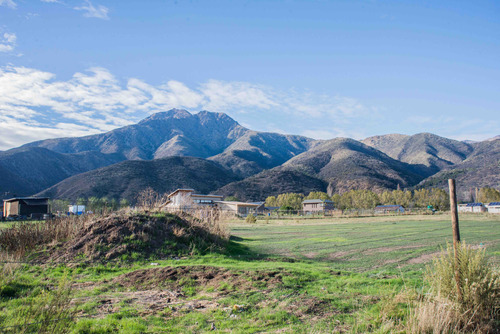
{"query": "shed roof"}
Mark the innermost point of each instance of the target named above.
(388, 206)
(474, 204)
(26, 199)
(185, 190)
(317, 201)
(494, 204)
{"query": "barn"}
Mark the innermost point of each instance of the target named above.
(32, 207)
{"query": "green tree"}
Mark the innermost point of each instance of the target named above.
(124, 203)
(271, 201)
(93, 204)
(59, 205)
(487, 195)
(359, 199)
(81, 201)
(292, 200)
(231, 199)
(318, 195)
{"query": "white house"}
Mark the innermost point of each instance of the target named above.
(186, 198)
(472, 207)
(494, 207)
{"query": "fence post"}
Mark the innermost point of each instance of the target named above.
(456, 233)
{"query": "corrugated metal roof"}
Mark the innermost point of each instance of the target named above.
(494, 203)
(474, 204)
(317, 201)
(388, 206)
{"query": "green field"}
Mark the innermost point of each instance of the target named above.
(299, 276)
(367, 244)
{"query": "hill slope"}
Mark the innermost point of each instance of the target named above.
(271, 183)
(348, 164)
(480, 169)
(28, 170)
(429, 152)
(126, 179)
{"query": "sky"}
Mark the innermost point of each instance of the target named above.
(321, 69)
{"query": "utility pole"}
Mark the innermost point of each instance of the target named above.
(456, 233)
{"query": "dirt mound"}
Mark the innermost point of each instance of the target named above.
(135, 236)
(198, 275)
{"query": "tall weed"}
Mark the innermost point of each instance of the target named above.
(443, 311)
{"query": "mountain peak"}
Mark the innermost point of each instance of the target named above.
(163, 115)
(208, 116)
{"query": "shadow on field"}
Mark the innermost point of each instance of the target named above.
(236, 249)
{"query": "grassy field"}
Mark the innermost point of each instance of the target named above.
(368, 244)
(299, 276)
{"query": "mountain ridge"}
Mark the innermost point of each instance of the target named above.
(256, 161)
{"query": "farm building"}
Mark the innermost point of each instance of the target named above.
(472, 207)
(317, 206)
(186, 198)
(26, 207)
(238, 208)
(389, 209)
(494, 207)
(261, 207)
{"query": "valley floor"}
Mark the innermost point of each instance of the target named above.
(281, 276)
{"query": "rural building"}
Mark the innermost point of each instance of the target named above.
(238, 208)
(494, 207)
(76, 209)
(389, 209)
(261, 207)
(317, 205)
(472, 207)
(26, 207)
(186, 198)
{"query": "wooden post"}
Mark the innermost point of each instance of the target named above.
(456, 233)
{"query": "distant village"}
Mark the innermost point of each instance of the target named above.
(39, 208)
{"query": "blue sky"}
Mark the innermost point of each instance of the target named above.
(317, 68)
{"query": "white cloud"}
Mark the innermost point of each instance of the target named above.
(8, 3)
(96, 101)
(100, 12)
(7, 42)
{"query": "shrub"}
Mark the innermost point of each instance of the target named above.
(251, 219)
(443, 311)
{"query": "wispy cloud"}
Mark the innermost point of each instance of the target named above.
(100, 12)
(96, 101)
(7, 42)
(8, 3)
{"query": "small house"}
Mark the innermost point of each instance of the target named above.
(33, 207)
(238, 208)
(317, 206)
(186, 198)
(380, 209)
(472, 207)
(494, 207)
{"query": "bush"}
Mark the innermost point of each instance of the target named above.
(251, 219)
(479, 307)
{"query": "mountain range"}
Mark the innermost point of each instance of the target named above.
(211, 152)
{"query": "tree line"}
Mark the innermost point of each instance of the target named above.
(367, 199)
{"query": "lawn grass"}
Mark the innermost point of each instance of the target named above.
(334, 275)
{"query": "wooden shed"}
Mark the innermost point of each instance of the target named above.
(25, 206)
